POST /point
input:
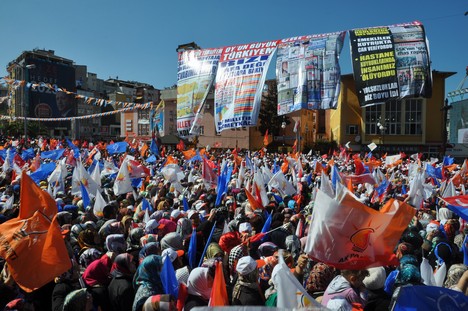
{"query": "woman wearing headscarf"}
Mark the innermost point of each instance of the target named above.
(320, 276)
(88, 256)
(184, 227)
(65, 284)
(78, 300)
(147, 281)
(151, 248)
(159, 302)
(115, 243)
(97, 278)
(246, 291)
(172, 240)
(199, 285)
(120, 290)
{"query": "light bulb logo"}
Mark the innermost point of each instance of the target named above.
(360, 239)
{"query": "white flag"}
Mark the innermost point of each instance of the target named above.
(122, 183)
(279, 182)
(99, 205)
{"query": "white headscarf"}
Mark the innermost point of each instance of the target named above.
(200, 283)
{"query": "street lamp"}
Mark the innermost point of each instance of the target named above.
(382, 129)
(283, 126)
(25, 99)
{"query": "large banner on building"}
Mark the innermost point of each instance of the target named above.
(45, 101)
(195, 76)
(239, 81)
(390, 62)
(308, 72)
(459, 122)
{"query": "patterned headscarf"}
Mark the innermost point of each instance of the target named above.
(151, 248)
(135, 236)
(76, 300)
(454, 274)
(88, 256)
(98, 272)
(213, 249)
(184, 227)
(159, 302)
(148, 238)
(320, 276)
(235, 254)
(116, 243)
(87, 239)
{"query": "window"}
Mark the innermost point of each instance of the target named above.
(373, 115)
(351, 129)
(143, 129)
(413, 116)
(393, 117)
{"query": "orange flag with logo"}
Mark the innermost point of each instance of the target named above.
(219, 296)
(254, 204)
(32, 244)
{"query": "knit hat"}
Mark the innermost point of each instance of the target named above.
(376, 278)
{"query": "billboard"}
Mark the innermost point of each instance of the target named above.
(46, 101)
(458, 126)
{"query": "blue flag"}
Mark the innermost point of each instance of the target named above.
(52, 154)
(207, 244)
(267, 225)
(169, 279)
(223, 181)
(192, 250)
(185, 203)
(151, 159)
(448, 160)
(145, 205)
(335, 177)
(403, 189)
(275, 167)
(43, 172)
(85, 196)
(28, 154)
(465, 251)
(429, 298)
(72, 146)
(154, 147)
(118, 147)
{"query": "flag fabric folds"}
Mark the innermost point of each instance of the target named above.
(118, 147)
(192, 249)
(429, 298)
(169, 279)
(32, 244)
(52, 154)
(350, 235)
(459, 205)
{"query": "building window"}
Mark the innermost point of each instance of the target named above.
(393, 117)
(351, 129)
(413, 116)
(143, 129)
(201, 130)
(373, 115)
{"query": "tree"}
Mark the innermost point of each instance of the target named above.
(268, 115)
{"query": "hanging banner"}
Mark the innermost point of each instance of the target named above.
(308, 72)
(195, 75)
(390, 62)
(239, 82)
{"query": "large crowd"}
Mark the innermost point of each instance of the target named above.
(117, 254)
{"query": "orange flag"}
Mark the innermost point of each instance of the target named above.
(171, 160)
(254, 204)
(188, 154)
(265, 138)
(219, 297)
(32, 244)
(143, 149)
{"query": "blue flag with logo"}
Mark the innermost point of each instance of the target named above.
(28, 154)
(145, 205)
(43, 172)
(85, 196)
(429, 298)
(154, 147)
(52, 154)
(118, 147)
(72, 146)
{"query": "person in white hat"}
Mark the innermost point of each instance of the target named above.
(246, 291)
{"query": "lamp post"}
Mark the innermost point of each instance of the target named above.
(25, 98)
(382, 129)
(283, 126)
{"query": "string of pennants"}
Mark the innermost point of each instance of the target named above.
(87, 99)
(90, 116)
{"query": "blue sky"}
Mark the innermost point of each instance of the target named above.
(136, 40)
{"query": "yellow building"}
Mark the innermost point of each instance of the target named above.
(408, 125)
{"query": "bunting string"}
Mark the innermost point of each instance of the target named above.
(90, 116)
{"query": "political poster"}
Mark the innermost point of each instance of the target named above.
(239, 83)
(308, 72)
(390, 62)
(195, 75)
(459, 122)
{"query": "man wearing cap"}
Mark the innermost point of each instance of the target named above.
(246, 291)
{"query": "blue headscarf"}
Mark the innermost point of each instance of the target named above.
(148, 273)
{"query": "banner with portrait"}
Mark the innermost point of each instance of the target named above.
(458, 122)
(308, 72)
(195, 75)
(390, 62)
(239, 84)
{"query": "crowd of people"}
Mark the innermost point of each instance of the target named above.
(117, 255)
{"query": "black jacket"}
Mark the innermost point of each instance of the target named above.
(121, 294)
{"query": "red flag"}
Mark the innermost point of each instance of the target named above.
(254, 204)
(219, 296)
(359, 167)
(180, 146)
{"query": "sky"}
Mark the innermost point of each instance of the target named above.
(137, 40)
